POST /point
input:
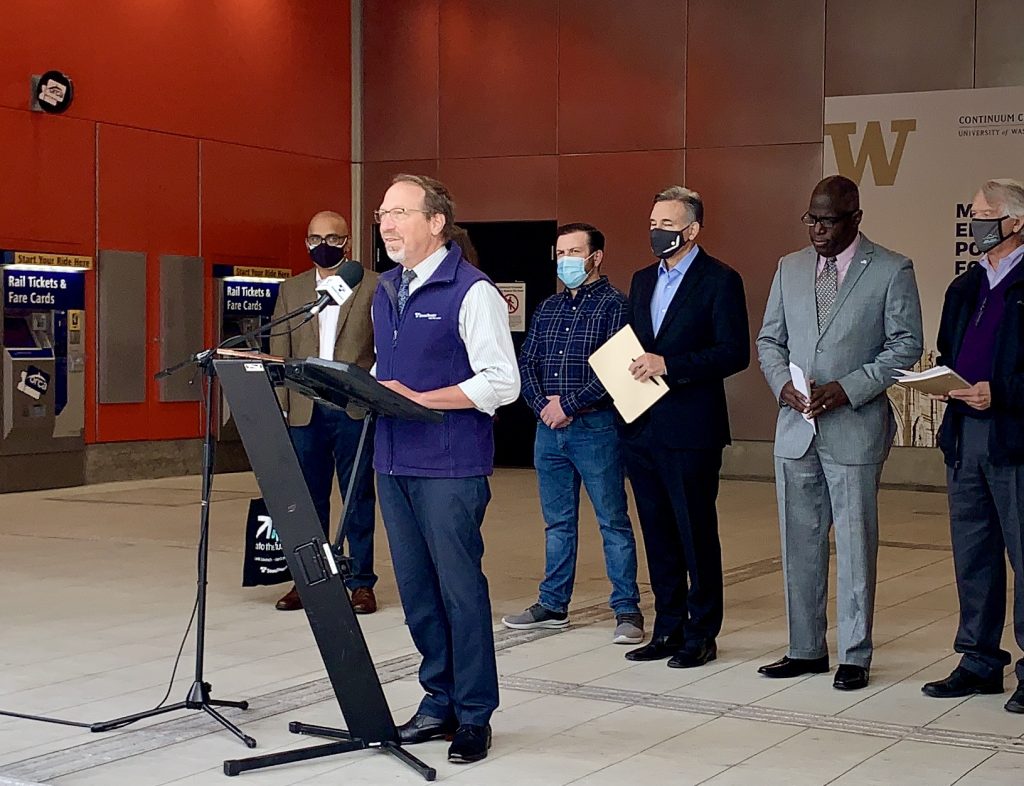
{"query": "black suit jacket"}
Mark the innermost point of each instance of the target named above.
(704, 338)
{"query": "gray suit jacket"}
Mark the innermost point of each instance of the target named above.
(874, 329)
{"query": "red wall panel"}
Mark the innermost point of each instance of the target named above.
(148, 191)
(754, 72)
(614, 192)
(48, 183)
(258, 72)
(256, 204)
(499, 85)
(400, 78)
(149, 202)
(518, 188)
(621, 75)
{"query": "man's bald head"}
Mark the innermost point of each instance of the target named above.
(841, 192)
(327, 222)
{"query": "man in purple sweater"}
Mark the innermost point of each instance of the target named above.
(981, 336)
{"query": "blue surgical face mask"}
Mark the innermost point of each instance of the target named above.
(573, 270)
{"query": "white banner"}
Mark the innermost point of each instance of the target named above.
(919, 159)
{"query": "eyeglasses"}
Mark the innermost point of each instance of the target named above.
(826, 221)
(336, 241)
(398, 214)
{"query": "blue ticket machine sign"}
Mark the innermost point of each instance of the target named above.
(246, 296)
(43, 374)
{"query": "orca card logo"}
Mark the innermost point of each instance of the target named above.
(54, 92)
(34, 382)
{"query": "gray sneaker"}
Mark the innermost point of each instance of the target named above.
(536, 617)
(629, 629)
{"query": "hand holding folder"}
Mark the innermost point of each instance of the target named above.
(611, 364)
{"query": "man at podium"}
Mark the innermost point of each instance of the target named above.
(442, 339)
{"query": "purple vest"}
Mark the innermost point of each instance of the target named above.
(423, 350)
(974, 360)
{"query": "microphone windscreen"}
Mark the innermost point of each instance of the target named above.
(351, 272)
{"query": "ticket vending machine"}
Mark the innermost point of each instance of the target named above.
(245, 299)
(42, 382)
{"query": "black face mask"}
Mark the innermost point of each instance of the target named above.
(326, 256)
(988, 232)
(666, 242)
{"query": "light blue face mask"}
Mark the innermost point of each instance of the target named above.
(573, 270)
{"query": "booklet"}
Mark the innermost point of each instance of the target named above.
(937, 381)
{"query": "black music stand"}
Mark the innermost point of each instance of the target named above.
(248, 386)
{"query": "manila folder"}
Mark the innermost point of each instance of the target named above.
(611, 363)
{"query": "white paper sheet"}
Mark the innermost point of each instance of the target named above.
(802, 385)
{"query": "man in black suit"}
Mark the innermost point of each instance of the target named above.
(690, 314)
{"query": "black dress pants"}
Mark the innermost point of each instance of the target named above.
(676, 492)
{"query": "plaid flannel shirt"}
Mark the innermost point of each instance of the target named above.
(564, 332)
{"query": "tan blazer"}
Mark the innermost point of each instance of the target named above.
(355, 336)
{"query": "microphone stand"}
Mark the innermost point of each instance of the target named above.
(198, 697)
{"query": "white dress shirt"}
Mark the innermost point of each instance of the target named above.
(483, 328)
(328, 321)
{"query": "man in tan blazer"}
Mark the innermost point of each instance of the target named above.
(325, 439)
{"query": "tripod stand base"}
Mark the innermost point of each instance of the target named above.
(345, 743)
(198, 699)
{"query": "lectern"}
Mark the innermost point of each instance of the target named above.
(248, 387)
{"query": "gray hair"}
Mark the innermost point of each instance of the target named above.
(437, 199)
(690, 199)
(1006, 193)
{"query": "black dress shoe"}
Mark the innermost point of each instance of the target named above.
(691, 656)
(1016, 702)
(787, 668)
(960, 683)
(658, 649)
(422, 728)
(850, 677)
(470, 744)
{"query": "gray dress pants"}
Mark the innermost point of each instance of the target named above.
(815, 493)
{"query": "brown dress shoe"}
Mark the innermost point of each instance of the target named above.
(291, 601)
(363, 600)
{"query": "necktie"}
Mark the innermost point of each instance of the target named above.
(403, 290)
(825, 290)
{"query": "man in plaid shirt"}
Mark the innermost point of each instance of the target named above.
(577, 436)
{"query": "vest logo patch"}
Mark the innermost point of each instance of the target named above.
(427, 315)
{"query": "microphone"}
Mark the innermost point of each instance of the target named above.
(336, 289)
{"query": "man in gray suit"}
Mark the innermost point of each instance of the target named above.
(847, 313)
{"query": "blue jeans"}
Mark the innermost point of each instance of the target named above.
(328, 446)
(586, 450)
(433, 527)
